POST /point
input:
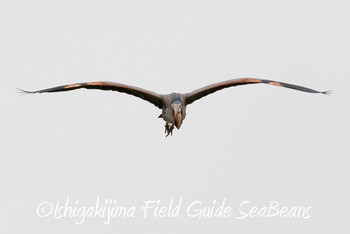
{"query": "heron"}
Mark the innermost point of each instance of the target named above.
(173, 105)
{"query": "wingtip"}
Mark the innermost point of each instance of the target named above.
(328, 92)
(22, 91)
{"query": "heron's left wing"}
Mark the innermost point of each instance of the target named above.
(147, 95)
(199, 93)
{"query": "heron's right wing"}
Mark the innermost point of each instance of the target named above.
(149, 96)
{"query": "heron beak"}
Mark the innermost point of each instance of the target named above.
(177, 109)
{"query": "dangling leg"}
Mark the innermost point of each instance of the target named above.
(169, 127)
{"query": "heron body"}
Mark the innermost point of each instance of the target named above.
(173, 105)
(173, 111)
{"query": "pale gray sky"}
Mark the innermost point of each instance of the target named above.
(255, 143)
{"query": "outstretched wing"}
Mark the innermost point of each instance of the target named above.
(150, 96)
(199, 93)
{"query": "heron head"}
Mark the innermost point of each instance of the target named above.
(177, 113)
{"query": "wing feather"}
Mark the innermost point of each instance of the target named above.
(202, 92)
(147, 95)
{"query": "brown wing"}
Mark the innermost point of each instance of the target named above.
(199, 93)
(150, 96)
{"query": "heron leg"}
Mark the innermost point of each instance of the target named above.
(169, 127)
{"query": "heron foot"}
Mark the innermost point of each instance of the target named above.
(169, 127)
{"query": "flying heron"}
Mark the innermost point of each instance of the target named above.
(173, 105)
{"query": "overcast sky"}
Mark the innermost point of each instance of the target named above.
(244, 146)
